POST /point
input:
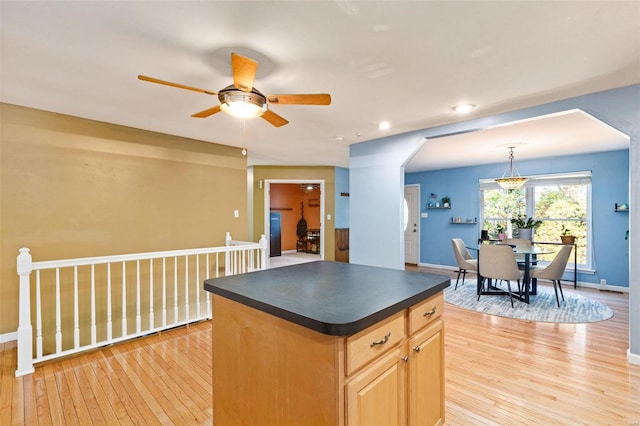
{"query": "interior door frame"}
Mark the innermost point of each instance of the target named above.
(417, 212)
(267, 209)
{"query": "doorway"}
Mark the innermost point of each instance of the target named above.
(411, 223)
(300, 204)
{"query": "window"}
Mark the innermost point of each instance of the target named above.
(406, 214)
(560, 201)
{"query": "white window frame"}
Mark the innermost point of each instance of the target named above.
(580, 177)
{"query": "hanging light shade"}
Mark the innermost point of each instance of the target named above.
(511, 182)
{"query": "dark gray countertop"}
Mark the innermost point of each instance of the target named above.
(333, 298)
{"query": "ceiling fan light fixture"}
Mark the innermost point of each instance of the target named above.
(242, 104)
(511, 182)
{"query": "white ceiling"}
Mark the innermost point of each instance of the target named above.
(565, 133)
(405, 62)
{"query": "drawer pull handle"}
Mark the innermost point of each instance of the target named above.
(381, 341)
(428, 314)
(417, 348)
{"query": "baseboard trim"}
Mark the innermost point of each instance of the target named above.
(633, 358)
(8, 337)
(584, 284)
(433, 265)
(607, 287)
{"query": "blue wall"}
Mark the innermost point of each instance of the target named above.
(610, 185)
(342, 203)
(619, 108)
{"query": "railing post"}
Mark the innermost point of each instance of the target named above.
(263, 251)
(25, 331)
(227, 255)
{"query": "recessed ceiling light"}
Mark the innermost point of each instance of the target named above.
(384, 125)
(463, 108)
(381, 28)
(338, 138)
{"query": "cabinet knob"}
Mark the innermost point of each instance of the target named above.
(428, 314)
(381, 341)
(405, 358)
(416, 348)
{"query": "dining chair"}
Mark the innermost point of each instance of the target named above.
(519, 242)
(465, 260)
(497, 261)
(522, 244)
(554, 270)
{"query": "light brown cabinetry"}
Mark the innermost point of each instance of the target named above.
(405, 386)
(377, 395)
(270, 371)
(426, 373)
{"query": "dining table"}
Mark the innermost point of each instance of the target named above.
(525, 256)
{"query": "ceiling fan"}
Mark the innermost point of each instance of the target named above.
(242, 100)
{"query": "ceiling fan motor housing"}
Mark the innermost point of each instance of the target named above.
(242, 104)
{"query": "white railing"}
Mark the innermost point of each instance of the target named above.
(85, 303)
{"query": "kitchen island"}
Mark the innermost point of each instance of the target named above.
(328, 343)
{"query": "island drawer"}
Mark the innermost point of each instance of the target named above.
(362, 347)
(424, 313)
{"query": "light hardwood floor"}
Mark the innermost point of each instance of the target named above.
(498, 372)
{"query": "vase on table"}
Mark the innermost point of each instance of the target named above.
(525, 233)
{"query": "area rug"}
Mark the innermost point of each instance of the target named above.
(543, 307)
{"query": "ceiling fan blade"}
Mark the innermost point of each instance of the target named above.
(244, 71)
(302, 99)
(274, 118)
(179, 86)
(207, 112)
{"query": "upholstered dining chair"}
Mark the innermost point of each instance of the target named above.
(518, 242)
(522, 244)
(465, 260)
(497, 262)
(554, 271)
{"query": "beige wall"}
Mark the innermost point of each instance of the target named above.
(71, 187)
(300, 174)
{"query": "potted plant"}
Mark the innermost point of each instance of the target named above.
(446, 202)
(566, 237)
(526, 226)
(501, 234)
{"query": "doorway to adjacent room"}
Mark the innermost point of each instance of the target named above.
(294, 212)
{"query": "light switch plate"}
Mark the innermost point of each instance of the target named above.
(424, 215)
(236, 213)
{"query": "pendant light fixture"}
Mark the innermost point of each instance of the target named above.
(511, 182)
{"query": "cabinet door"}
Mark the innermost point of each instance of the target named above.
(377, 394)
(426, 376)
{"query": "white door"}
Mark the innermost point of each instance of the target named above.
(411, 234)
